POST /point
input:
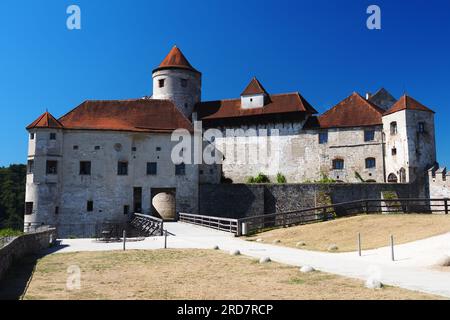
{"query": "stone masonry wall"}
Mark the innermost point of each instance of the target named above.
(23, 245)
(245, 200)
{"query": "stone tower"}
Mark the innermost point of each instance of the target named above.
(45, 149)
(408, 127)
(176, 80)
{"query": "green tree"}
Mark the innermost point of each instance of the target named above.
(12, 196)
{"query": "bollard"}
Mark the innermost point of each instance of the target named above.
(392, 248)
(244, 228)
(124, 239)
(165, 239)
(359, 244)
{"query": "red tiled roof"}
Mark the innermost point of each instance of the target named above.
(254, 87)
(407, 103)
(137, 115)
(277, 104)
(353, 111)
(45, 120)
(175, 59)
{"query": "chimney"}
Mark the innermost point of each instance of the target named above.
(368, 95)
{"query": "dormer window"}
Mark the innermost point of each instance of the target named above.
(161, 83)
(254, 95)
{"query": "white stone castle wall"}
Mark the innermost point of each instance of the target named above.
(110, 192)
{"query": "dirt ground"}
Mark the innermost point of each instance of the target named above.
(186, 274)
(375, 231)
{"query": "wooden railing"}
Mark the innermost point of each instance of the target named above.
(149, 225)
(368, 206)
(223, 224)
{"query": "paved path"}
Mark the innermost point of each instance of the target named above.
(413, 268)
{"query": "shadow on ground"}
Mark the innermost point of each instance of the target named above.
(14, 283)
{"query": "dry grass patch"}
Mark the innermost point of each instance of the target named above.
(192, 274)
(375, 231)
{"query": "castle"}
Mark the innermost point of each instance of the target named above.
(104, 160)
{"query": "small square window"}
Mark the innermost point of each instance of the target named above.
(133, 149)
(323, 137)
(30, 166)
(52, 167)
(122, 168)
(97, 147)
(90, 206)
(161, 83)
(369, 135)
(31, 136)
(338, 164)
(126, 210)
(158, 148)
(151, 168)
(370, 163)
(184, 83)
(52, 136)
(85, 167)
(180, 169)
(75, 147)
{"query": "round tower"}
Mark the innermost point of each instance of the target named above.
(176, 80)
(43, 172)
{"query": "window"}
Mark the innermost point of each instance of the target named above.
(180, 169)
(338, 164)
(184, 83)
(52, 167)
(393, 128)
(52, 136)
(30, 166)
(56, 210)
(137, 199)
(185, 105)
(126, 210)
(85, 167)
(161, 83)
(158, 148)
(369, 135)
(122, 168)
(151, 168)
(370, 163)
(75, 147)
(28, 207)
(133, 148)
(421, 127)
(90, 206)
(394, 151)
(323, 137)
(31, 136)
(392, 178)
(97, 148)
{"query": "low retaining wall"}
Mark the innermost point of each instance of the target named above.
(246, 200)
(23, 245)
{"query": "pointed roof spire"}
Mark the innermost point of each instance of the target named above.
(407, 103)
(45, 120)
(254, 87)
(175, 60)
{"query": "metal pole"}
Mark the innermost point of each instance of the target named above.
(392, 248)
(165, 239)
(124, 239)
(359, 244)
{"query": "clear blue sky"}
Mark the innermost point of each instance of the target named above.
(320, 48)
